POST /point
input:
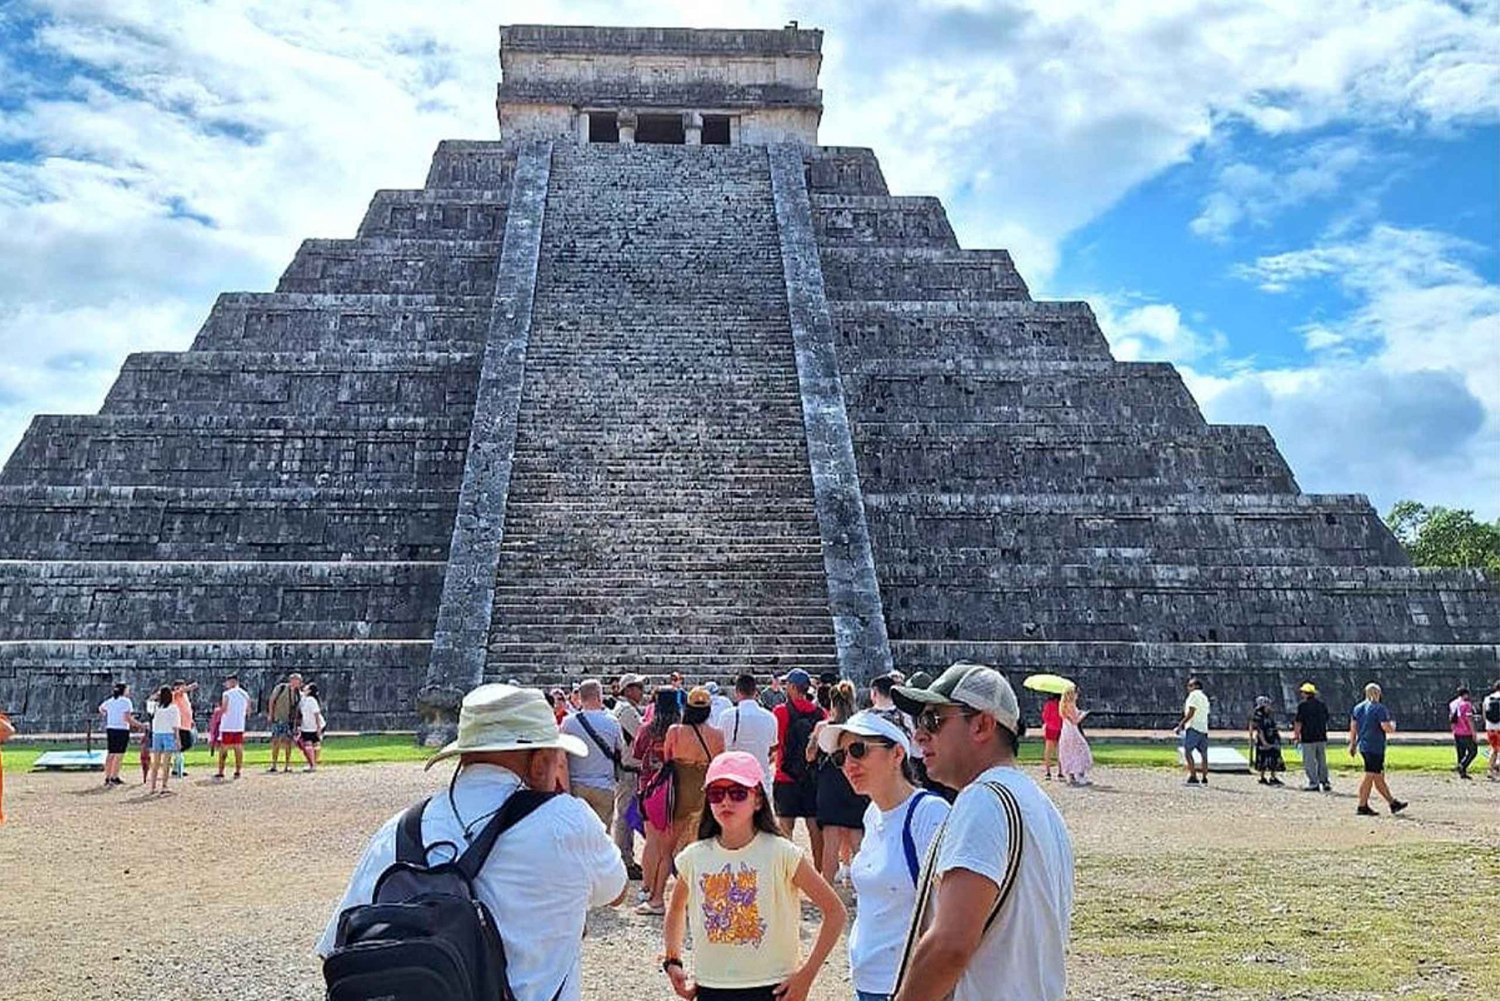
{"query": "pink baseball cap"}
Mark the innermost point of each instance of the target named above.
(734, 766)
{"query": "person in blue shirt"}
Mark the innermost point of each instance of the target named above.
(1369, 723)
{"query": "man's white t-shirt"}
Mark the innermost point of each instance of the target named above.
(236, 707)
(309, 709)
(539, 881)
(749, 728)
(887, 893)
(1484, 711)
(1023, 955)
(115, 711)
(1198, 701)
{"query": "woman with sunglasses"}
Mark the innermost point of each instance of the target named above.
(841, 810)
(740, 885)
(900, 823)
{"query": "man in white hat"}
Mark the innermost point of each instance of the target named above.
(632, 688)
(1004, 853)
(543, 874)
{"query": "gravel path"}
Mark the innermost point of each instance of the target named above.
(220, 890)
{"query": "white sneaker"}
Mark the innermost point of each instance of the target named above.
(842, 876)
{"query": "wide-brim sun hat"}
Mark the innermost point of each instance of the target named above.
(734, 766)
(1308, 688)
(974, 686)
(626, 680)
(501, 717)
(863, 724)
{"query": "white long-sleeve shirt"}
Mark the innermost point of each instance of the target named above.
(539, 881)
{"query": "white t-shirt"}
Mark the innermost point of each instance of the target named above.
(887, 893)
(749, 728)
(1023, 955)
(115, 711)
(236, 707)
(718, 705)
(1199, 701)
(309, 709)
(166, 719)
(1484, 711)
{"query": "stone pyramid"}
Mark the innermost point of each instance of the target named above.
(656, 383)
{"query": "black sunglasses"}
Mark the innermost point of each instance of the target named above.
(932, 720)
(857, 749)
(717, 794)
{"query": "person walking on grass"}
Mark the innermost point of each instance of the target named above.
(899, 825)
(182, 698)
(740, 888)
(1074, 758)
(165, 722)
(1461, 721)
(1491, 712)
(7, 731)
(1310, 731)
(310, 727)
(1369, 724)
(281, 713)
(1265, 741)
(1194, 729)
(119, 719)
(1052, 724)
(994, 908)
(235, 706)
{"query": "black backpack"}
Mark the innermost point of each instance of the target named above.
(426, 935)
(1492, 709)
(799, 728)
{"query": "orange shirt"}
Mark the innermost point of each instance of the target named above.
(184, 708)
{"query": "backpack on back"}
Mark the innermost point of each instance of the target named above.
(799, 728)
(1492, 709)
(426, 934)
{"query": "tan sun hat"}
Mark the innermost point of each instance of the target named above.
(507, 718)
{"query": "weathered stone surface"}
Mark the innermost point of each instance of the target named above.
(703, 408)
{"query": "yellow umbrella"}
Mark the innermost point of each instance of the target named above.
(1052, 684)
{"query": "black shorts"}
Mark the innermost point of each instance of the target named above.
(185, 740)
(311, 737)
(116, 741)
(766, 993)
(1374, 762)
(795, 799)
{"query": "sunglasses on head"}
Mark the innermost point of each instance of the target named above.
(856, 749)
(734, 793)
(932, 720)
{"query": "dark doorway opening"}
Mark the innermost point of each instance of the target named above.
(603, 127)
(663, 129)
(716, 130)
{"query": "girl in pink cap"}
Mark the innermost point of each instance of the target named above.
(740, 885)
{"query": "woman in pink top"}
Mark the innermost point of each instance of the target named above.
(1461, 719)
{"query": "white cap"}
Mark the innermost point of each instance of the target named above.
(864, 724)
(507, 718)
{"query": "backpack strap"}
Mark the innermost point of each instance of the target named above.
(908, 843)
(521, 804)
(702, 743)
(409, 847)
(609, 752)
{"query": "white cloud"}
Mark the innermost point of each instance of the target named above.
(1151, 331)
(1250, 195)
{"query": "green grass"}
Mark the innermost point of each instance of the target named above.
(1391, 920)
(20, 755)
(380, 748)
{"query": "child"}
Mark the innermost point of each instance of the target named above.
(310, 727)
(740, 885)
(165, 723)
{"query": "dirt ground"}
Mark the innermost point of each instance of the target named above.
(220, 890)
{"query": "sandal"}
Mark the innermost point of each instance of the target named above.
(651, 909)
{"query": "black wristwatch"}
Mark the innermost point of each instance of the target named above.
(669, 962)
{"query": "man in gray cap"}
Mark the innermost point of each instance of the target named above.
(632, 689)
(1004, 853)
(545, 872)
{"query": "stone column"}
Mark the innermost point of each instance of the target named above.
(626, 119)
(692, 128)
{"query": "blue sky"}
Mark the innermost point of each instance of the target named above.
(1298, 204)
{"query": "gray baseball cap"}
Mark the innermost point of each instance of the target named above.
(974, 686)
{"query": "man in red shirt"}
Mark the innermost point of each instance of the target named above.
(795, 791)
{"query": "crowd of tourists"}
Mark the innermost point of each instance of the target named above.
(167, 729)
(962, 867)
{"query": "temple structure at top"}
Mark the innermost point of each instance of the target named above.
(653, 382)
(677, 86)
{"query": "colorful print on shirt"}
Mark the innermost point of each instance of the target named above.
(731, 912)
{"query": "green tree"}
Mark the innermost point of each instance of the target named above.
(1441, 537)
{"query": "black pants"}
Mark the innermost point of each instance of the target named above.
(736, 993)
(1468, 750)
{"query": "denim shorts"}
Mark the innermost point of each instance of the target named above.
(164, 742)
(281, 731)
(1194, 740)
